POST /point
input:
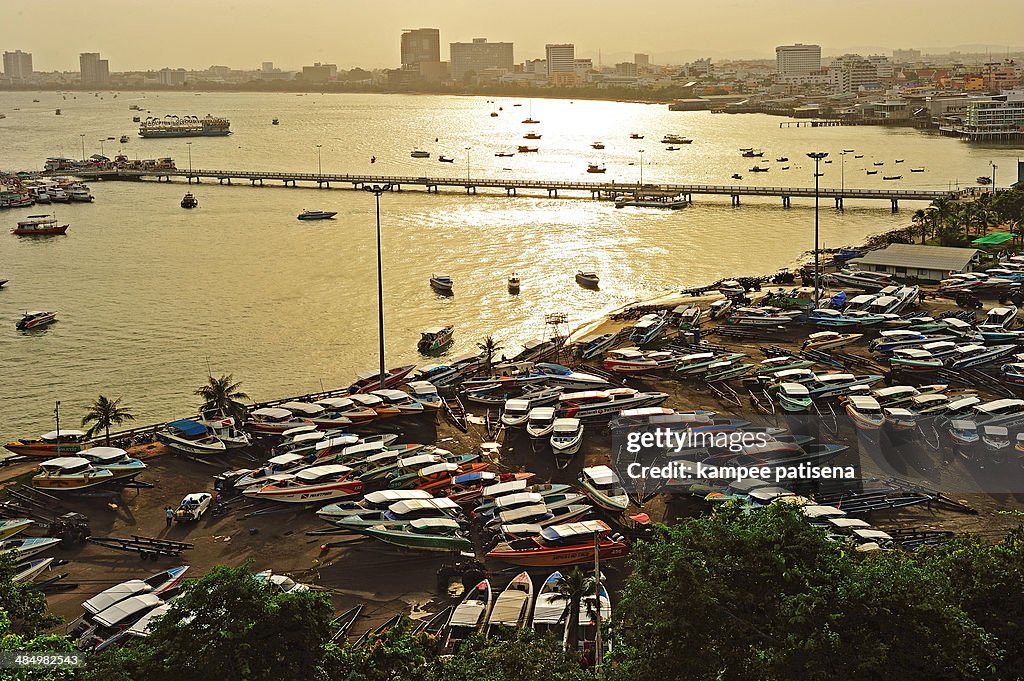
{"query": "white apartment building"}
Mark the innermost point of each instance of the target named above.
(797, 59)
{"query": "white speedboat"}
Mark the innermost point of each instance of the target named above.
(647, 328)
(113, 459)
(317, 483)
(540, 422)
(566, 436)
(469, 616)
(425, 393)
(604, 404)
(317, 214)
(594, 347)
(563, 377)
(190, 437)
(868, 281)
(635, 361)
(225, 429)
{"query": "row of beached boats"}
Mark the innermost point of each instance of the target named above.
(23, 551)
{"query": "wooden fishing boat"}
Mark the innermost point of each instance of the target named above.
(588, 279)
(435, 624)
(69, 473)
(602, 485)
(549, 612)
(455, 412)
(435, 339)
(513, 607)
(424, 534)
(558, 545)
(469, 616)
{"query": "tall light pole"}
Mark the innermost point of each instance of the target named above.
(817, 156)
(189, 160)
(319, 165)
(641, 167)
(82, 135)
(994, 166)
(468, 149)
(102, 152)
(56, 414)
(842, 173)
(377, 190)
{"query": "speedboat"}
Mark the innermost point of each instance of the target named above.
(1001, 316)
(418, 153)
(686, 317)
(761, 316)
(11, 527)
(189, 201)
(587, 279)
(425, 393)
(540, 422)
(634, 361)
(726, 370)
(965, 356)
(605, 404)
(282, 464)
(318, 483)
(647, 328)
(560, 376)
(396, 514)
(469, 488)
(424, 534)
(566, 436)
(830, 317)
(602, 485)
(445, 159)
(914, 359)
(597, 145)
(380, 500)
(513, 607)
(69, 473)
(836, 385)
(794, 398)
(595, 346)
(34, 320)
(435, 339)
(441, 283)
(865, 412)
(516, 411)
(699, 362)
(862, 279)
(719, 308)
(571, 544)
(23, 549)
(39, 225)
(49, 444)
(317, 214)
(781, 363)
(829, 339)
(513, 283)
(595, 168)
(113, 459)
(190, 437)
(469, 616)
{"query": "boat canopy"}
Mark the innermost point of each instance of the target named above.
(848, 523)
(434, 523)
(308, 437)
(521, 529)
(319, 472)
(68, 434)
(602, 476)
(585, 528)
(407, 506)
(422, 388)
(418, 460)
(292, 432)
(304, 408)
(503, 488)
(188, 428)
(141, 628)
(391, 395)
(434, 330)
(272, 413)
(335, 403)
(518, 499)
(517, 404)
(103, 454)
(340, 441)
(387, 496)
(794, 389)
(444, 467)
(285, 459)
(516, 515)
(566, 426)
(119, 592)
(122, 610)
(542, 413)
(815, 511)
(67, 463)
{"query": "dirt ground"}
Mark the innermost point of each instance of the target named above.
(363, 571)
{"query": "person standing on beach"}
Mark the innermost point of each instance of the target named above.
(169, 512)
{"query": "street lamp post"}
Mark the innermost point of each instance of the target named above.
(641, 167)
(994, 166)
(817, 156)
(102, 152)
(842, 175)
(377, 190)
(82, 135)
(468, 149)
(189, 161)
(319, 165)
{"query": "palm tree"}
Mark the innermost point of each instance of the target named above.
(490, 348)
(572, 588)
(105, 413)
(920, 219)
(223, 395)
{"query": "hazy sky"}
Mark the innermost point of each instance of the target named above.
(136, 34)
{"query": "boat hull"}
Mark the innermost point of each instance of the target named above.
(582, 554)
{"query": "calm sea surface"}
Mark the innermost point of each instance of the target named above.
(151, 296)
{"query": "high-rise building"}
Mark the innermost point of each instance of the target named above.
(906, 56)
(17, 65)
(626, 68)
(799, 59)
(420, 45)
(479, 56)
(95, 71)
(561, 58)
(850, 72)
(171, 77)
(642, 61)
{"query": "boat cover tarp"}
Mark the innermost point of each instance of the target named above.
(188, 428)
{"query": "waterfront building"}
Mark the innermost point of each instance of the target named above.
(475, 58)
(797, 59)
(1000, 117)
(171, 77)
(420, 45)
(627, 69)
(851, 72)
(319, 73)
(584, 70)
(924, 263)
(95, 71)
(17, 65)
(642, 61)
(561, 58)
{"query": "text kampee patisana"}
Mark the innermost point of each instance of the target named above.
(659, 441)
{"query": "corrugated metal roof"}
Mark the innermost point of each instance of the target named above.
(920, 257)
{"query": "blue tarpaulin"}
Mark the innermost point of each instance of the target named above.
(188, 428)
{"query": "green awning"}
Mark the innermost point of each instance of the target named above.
(993, 239)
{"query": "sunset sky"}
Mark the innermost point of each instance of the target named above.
(244, 33)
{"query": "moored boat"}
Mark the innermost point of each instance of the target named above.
(39, 225)
(435, 339)
(317, 215)
(35, 320)
(189, 201)
(441, 283)
(587, 279)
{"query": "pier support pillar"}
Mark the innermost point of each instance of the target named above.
(895, 205)
(396, 188)
(839, 203)
(735, 199)
(787, 201)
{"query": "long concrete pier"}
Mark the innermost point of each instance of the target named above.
(597, 190)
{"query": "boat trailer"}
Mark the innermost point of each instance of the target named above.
(146, 547)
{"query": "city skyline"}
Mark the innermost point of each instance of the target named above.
(356, 35)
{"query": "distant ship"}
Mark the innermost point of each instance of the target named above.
(186, 126)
